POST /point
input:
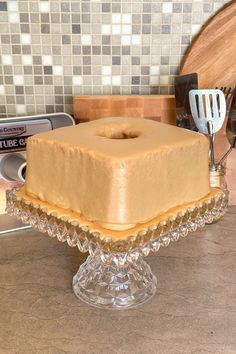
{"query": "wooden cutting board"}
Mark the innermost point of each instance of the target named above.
(156, 107)
(213, 54)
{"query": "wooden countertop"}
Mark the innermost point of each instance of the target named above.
(194, 310)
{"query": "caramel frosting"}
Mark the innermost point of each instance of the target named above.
(118, 172)
(116, 235)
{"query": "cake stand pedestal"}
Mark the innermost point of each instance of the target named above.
(115, 276)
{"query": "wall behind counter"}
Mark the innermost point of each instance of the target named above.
(52, 50)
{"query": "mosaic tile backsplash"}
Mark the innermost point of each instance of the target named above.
(52, 50)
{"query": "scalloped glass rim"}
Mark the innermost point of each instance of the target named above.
(151, 239)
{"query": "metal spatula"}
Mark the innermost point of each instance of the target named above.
(208, 109)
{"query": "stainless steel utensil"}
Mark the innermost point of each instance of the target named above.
(208, 109)
(183, 84)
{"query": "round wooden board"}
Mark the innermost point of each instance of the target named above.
(213, 54)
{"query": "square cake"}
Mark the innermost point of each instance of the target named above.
(118, 172)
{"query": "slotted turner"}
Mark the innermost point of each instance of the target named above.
(208, 109)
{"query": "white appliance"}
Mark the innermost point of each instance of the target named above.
(13, 162)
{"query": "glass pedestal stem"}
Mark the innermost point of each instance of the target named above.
(119, 285)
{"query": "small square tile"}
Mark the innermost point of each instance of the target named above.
(135, 90)
(44, 17)
(106, 50)
(13, 17)
(3, 6)
(154, 80)
(106, 7)
(116, 29)
(177, 7)
(126, 29)
(38, 80)
(164, 60)
(146, 29)
(10, 100)
(47, 60)
(8, 80)
(38, 70)
(18, 80)
(185, 39)
(27, 59)
(167, 7)
(37, 60)
(44, 6)
(136, 39)
(147, 8)
(26, 49)
(165, 29)
(66, 39)
(20, 109)
(5, 38)
(106, 70)
(45, 28)
(135, 60)
(28, 70)
(47, 70)
(106, 80)
(187, 7)
(125, 50)
(106, 39)
(126, 18)
(135, 80)
(24, 27)
(106, 29)
(115, 60)
(96, 50)
(12, 6)
(55, 18)
(146, 18)
(125, 40)
(19, 90)
(34, 18)
(115, 80)
(116, 7)
(16, 49)
(86, 50)
(116, 50)
(65, 18)
(58, 90)
(24, 17)
(6, 59)
(85, 18)
(25, 38)
(86, 39)
(7, 70)
(57, 70)
(49, 109)
(116, 18)
(75, 28)
(136, 29)
(87, 70)
(77, 80)
(85, 7)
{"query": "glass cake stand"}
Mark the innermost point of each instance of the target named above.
(115, 275)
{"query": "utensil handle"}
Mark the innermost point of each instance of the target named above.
(212, 153)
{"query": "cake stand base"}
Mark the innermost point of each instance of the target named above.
(121, 284)
(115, 275)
